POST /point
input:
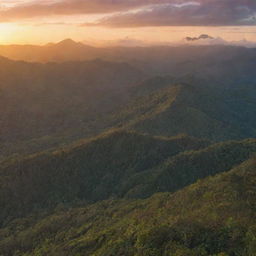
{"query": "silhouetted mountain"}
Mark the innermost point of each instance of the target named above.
(205, 61)
(68, 43)
(66, 50)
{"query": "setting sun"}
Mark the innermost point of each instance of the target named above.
(8, 33)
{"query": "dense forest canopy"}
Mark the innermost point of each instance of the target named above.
(127, 151)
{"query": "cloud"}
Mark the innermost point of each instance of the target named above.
(16, 9)
(208, 40)
(196, 13)
(53, 24)
(138, 13)
(201, 37)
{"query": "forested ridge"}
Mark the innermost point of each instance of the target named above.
(140, 152)
(214, 216)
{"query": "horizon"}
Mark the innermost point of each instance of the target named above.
(20, 34)
(196, 40)
(39, 22)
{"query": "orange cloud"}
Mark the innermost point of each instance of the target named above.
(141, 13)
(39, 8)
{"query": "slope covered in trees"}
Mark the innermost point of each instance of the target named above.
(119, 164)
(163, 108)
(44, 106)
(215, 216)
(73, 134)
(94, 170)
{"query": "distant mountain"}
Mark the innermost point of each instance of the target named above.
(44, 106)
(48, 101)
(66, 50)
(68, 43)
(191, 48)
(215, 216)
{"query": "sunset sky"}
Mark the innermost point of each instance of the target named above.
(42, 21)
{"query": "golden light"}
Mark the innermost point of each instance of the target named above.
(8, 33)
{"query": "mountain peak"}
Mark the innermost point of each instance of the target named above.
(67, 42)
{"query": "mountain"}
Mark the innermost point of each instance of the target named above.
(66, 50)
(42, 103)
(156, 60)
(119, 164)
(68, 43)
(45, 106)
(93, 170)
(127, 151)
(163, 106)
(214, 216)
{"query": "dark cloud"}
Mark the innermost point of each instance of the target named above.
(201, 37)
(197, 13)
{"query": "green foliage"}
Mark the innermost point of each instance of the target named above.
(114, 165)
(47, 106)
(188, 222)
(52, 202)
(94, 170)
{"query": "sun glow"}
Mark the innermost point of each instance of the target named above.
(48, 31)
(9, 32)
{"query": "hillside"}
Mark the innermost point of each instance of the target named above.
(94, 170)
(127, 152)
(115, 165)
(66, 50)
(162, 108)
(213, 63)
(212, 217)
(45, 106)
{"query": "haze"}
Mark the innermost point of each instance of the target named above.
(103, 21)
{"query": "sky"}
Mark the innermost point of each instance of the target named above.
(102, 21)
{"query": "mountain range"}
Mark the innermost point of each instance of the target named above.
(49, 105)
(127, 151)
(70, 50)
(214, 216)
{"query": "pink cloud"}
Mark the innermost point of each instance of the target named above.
(150, 13)
(199, 13)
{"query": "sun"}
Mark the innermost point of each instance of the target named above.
(7, 33)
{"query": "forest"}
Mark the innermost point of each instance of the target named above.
(127, 151)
